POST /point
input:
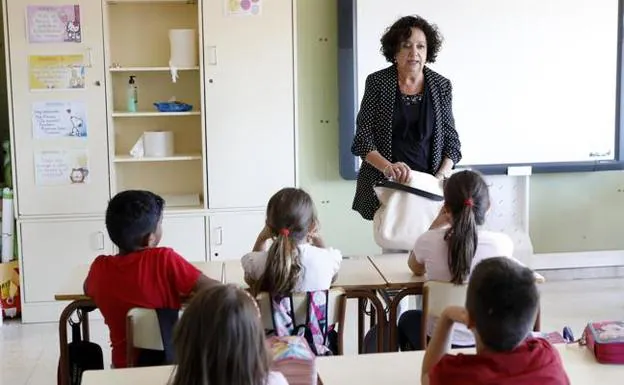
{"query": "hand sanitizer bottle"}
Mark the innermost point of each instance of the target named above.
(132, 95)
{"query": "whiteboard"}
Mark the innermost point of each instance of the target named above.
(534, 81)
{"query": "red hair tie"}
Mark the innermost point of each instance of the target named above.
(285, 232)
(469, 202)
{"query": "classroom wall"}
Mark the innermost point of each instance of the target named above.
(569, 212)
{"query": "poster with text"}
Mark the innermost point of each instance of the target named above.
(53, 24)
(61, 167)
(59, 118)
(58, 72)
(243, 7)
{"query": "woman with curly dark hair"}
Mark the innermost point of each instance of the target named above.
(406, 119)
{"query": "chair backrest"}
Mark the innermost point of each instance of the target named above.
(336, 307)
(437, 296)
(145, 331)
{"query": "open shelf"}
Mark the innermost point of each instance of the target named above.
(129, 158)
(150, 69)
(152, 114)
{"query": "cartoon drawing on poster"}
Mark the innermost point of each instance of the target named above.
(61, 167)
(56, 72)
(242, 7)
(53, 24)
(59, 118)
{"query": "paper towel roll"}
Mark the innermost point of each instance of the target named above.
(8, 225)
(158, 143)
(183, 45)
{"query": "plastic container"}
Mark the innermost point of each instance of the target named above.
(173, 107)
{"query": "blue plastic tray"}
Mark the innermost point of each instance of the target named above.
(173, 107)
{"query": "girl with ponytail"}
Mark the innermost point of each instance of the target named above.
(454, 244)
(297, 259)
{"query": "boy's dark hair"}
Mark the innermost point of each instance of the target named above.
(502, 300)
(131, 216)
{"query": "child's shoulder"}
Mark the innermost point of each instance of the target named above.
(309, 249)
(432, 236)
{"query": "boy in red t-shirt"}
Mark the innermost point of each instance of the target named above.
(142, 274)
(501, 307)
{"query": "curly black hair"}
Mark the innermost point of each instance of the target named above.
(401, 30)
(131, 216)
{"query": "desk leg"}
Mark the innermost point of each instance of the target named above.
(370, 295)
(63, 366)
(392, 315)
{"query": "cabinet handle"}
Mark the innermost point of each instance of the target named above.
(218, 236)
(89, 58)
(99, 240)
(212, 55)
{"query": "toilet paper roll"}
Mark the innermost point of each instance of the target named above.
(183, 48)
(158, 143)
(8, 225)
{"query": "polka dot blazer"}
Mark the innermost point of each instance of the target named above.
(374, 130)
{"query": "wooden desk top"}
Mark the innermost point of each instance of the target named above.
(393, 267)
(358, 272)
(400, 368)
(404, 368)
(152, 375)
(72, 290)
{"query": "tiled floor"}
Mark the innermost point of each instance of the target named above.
(29, 353)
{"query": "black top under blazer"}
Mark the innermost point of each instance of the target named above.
(374, 130)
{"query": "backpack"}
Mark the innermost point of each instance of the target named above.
(321, 337)
(83, 355)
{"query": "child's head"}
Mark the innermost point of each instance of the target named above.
(133, 220)
(220, 340)
(502, 303)
(467, 200)
(291, 216)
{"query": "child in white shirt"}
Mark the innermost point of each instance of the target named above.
(297, 260)
(450, 249)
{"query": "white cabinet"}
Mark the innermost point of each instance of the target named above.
(186, 235)
(233, 235)
(51, 249)
(249, 104)
(72, 176)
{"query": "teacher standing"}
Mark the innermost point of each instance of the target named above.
(406, 119)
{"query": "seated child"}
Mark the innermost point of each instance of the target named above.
(454, 244)
(297, 260)
(220, 341)
(142, 274)
(501, 306)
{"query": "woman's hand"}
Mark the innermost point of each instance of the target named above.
(398, 171)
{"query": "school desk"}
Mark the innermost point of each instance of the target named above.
(73, 291)
(373, 369)
(405, 368)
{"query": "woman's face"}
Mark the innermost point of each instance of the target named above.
(412, 53)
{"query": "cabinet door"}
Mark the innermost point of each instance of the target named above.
(187, 236)
(51, 249)
(233, 235)
(249, 103)
(58, 173)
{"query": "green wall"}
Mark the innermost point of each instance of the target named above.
(569, 212)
